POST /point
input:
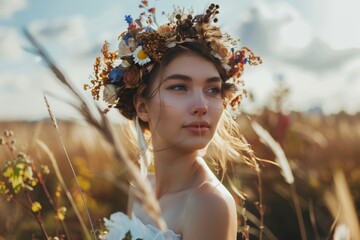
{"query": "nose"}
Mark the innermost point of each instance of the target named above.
(200, 106)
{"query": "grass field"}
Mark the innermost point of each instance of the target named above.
(323, 152)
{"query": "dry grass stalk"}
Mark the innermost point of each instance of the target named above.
(281, 159)
(53, 120)
(66, 190)
(348, 210)
(100, 122)
(283, 163)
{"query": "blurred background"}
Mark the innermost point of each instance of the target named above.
(305, 94)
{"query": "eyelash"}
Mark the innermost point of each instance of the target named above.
(184, 88)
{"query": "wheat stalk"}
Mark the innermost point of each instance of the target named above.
(100, 122)
(53, 120)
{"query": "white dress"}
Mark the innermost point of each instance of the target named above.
(119, 225)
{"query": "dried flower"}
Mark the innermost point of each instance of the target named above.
(141, 47)
(164, 29)
(131, 77)
(127, 48)
(109, 94)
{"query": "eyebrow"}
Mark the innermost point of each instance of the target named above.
(189, 79)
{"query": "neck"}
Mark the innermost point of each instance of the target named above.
(175, 171)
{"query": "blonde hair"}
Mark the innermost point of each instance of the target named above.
(228, 146)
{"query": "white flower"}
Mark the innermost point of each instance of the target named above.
(341, 232)
(127, 49)
(109, 94)
(119, 225)
(140, 57)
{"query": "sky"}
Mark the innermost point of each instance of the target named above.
(311, 46)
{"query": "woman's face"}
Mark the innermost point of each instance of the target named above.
(187, 105)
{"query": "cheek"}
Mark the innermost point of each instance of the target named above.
(165, 110)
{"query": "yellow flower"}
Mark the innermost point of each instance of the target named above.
(84, 183)
(28, 173)
(45, 169)
(3, 189)
(60, 215)
(36, 206)
(33, 182)
(9, 172)
(16, 183)
(140, 57)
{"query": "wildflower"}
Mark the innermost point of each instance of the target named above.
(126, 38)
(3, 189)
(128, 19)
(115, 75)
(127, 46)
(140, 57)
(8, 172)
(149, 29)
(60, 214)
(110, 95)
(45, 169)
(36, 206)
(164, 29)
(33, 182)
(58, 192)
(28, 173)
(131, 77)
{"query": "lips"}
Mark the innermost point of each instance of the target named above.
(198, 127)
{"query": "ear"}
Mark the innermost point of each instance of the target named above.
(140, 106)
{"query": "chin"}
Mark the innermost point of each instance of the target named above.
(196, 144)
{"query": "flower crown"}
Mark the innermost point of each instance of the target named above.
(119, 74)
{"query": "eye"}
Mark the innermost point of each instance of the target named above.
(214, 90)
(178, 88)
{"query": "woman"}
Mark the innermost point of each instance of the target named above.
(179, 82)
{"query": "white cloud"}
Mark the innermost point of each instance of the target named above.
(280, 32)
(319, 57)
(317, 74)
(9, 7)
(10, 44)
(63, 31)
(340, 29)
(275, 28)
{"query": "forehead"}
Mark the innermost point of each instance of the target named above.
(191, 65)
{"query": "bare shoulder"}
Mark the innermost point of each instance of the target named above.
(210, 214)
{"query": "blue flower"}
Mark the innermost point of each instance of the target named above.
(115, 75)
(126, 38)
(128, 19)
(149, 29)
(245, 60)
(238, 58)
